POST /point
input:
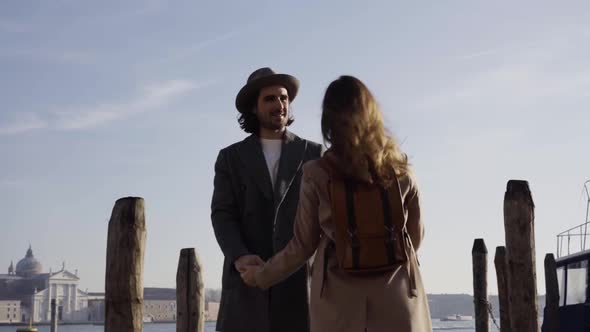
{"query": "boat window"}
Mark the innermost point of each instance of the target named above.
(561, 285)
(577, 281)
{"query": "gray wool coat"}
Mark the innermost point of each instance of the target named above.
(249, 216)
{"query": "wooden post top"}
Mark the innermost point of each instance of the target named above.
(519, 189)
(500, 254)
(518, 185)
(129, 211)
(500, 250)
(128, 199)
(479, 247)
(187, 251)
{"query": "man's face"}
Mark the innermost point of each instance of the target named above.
(272, 108)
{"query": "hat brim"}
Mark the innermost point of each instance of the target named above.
(246, 98)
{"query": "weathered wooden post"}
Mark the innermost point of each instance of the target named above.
(519, 219)
(479, 255)
(53, 316)
(551, 316)
(124, 270)
(190, 293)
(500, 261)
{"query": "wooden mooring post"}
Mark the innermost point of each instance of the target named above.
(519, 217)
(190, 293)
(124, 269)
(551, 315)
(53, 316)
(479, 255)
(500, 262)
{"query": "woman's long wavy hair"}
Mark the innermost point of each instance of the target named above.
(353, 126)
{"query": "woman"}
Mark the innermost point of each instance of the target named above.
(341, 301)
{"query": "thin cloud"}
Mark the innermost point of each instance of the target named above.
(23, 123)
(152, 97)
(11, 26)
(63, 56)
(531, 77)
(505, 89)
(15, 183)
(496, 51)
(550, 42)
(80, 57)
(150, 7)
(135, 11)
(190, 51)
(478, 54)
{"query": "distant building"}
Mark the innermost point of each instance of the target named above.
(159, 304)
(211, 311)
(34, 289)
(159, 310)
(26, 292)
(10, 311)
(96, 309)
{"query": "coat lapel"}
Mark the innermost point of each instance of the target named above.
(292, 154)
(253, 161)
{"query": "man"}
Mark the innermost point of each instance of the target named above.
(255, 197)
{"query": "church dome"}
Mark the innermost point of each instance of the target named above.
(28, 266)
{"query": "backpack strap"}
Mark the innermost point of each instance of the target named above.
(349, 188)
(388, 216)
(352, 226)
(388, 223)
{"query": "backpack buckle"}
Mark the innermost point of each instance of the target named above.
(354, 239)
(391, 238)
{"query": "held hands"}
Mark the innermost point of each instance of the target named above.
(249, 275)
(247, 265)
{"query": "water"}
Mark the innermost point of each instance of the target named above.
(164, 327)
(210, 327)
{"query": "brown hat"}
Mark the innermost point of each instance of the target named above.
(259, 79)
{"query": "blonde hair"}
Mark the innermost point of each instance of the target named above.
(353, 125)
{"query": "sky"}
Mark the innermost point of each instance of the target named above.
(103, 100)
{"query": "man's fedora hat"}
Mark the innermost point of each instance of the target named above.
(260, 78)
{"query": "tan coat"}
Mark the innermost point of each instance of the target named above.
(340, 301)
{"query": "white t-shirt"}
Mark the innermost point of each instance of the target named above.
(272, 154)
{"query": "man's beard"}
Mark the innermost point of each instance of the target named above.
(270, 123)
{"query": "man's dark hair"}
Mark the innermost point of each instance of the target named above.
(249, 122)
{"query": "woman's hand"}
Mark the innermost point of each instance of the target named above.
(248, 274)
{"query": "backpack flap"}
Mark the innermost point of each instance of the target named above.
(369, 223)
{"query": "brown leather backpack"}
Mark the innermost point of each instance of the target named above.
(370, 223)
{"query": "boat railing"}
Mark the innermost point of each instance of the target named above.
(573, 240)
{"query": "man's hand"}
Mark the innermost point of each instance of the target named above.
(247, 260)
(249, 275)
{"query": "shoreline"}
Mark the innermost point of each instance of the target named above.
(86, 323)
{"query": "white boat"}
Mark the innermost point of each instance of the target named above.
(457, 318)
